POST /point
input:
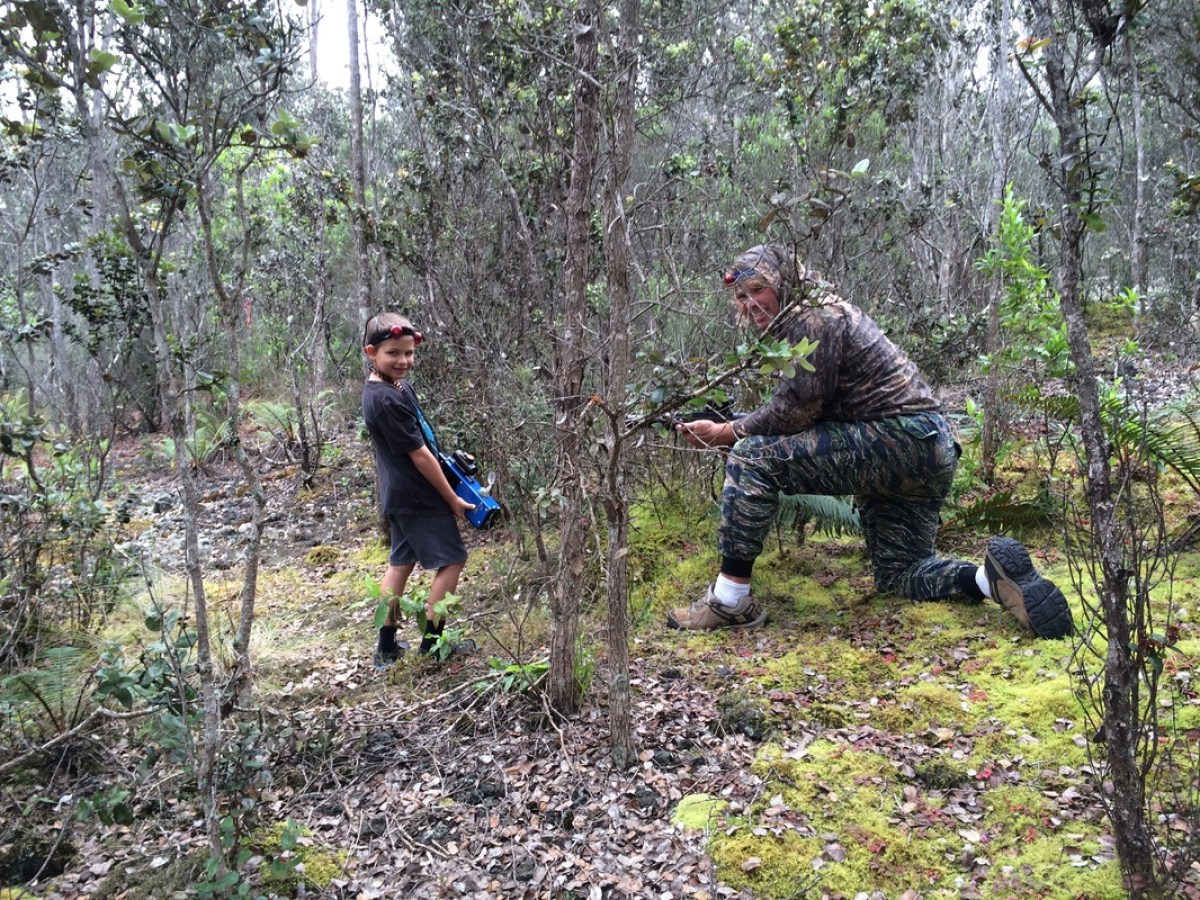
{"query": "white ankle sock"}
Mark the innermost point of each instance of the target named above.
(981, 579)
(727, 592)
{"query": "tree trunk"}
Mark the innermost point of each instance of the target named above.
(174, 392)
(1121, 713)
(616, 506)
(991, 437)
(570, 362)
(313, 9)
(1137, 241)
(241, 681)
(358, 173)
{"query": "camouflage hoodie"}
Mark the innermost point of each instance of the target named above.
(860, 374)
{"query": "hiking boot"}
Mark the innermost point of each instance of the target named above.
(1016, 585)
(708, 613)
(386, 658)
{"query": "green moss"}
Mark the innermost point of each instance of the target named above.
(698, 811)
(807, 778)
(861, 829)
(862, 849)
(857, 673)
(1055, 865)
(923, 706)
(323, 555)
(293, 859)
(774, 865)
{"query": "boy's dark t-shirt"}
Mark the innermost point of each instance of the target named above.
(391, 417)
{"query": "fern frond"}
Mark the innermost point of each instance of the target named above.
(1060, 407)
(1003, 513)
(268, 415)
(1168, 437)
(830, 515)
(53, 685)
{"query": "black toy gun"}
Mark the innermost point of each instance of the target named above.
(711, 412)
(460, 469)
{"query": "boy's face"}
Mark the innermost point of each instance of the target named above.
(394, 357)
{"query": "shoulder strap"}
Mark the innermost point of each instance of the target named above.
(426, 428)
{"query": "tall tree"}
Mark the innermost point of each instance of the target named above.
(570, 363)
(616, 481)
(998, 113)
(1074, 40)
(358, 171)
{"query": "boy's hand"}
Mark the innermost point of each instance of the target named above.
(461, 507)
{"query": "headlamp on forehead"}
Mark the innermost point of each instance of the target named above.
(733, 276)
(387, 333)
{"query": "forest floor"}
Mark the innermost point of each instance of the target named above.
(858, 746)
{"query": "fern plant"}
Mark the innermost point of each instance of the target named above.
(829, 515)
(50, 697)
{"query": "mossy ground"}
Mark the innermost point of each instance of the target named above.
(950, 754)
(933, 746)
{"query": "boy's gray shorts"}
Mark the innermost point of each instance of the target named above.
(433, 541)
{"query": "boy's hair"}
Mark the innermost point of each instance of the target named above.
(379, 328)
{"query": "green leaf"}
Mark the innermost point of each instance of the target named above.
(101, 61)
(284, 122)
(131, 14)
(226, 881)
(122, 814)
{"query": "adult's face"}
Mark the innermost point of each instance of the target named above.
(759, 302)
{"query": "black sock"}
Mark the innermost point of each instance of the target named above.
(387, 638)
(967, 583)
(432, 633)
(738, 568)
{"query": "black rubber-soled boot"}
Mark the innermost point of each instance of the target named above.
(1016, 585)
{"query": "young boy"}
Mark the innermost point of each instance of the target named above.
(420, 506)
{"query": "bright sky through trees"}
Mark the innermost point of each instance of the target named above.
(333, 65)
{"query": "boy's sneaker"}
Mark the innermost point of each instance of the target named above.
(387, 658)
(708, 613)
(1016, 585)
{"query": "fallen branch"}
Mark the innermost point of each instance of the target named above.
(97, 713)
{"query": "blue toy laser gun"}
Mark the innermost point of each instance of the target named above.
(460, 469)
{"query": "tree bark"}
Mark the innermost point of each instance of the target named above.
(569, 368)
(241, 680)
(991, 437)
(616, 505)
(358, 173)
(1127, 808)
(1137, 241)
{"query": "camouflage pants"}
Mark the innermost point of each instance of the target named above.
(898, 470)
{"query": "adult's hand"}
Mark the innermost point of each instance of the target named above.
(707, 433)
